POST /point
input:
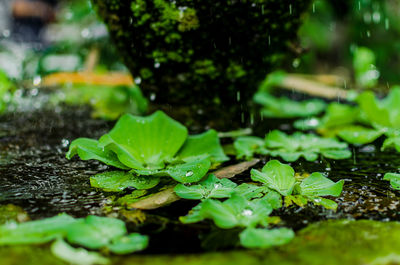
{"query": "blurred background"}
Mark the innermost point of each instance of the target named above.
(353, 43)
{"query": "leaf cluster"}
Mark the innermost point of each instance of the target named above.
(147, 148)
(92, 232)
(291, 147)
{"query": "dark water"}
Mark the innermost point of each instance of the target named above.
(35, 175)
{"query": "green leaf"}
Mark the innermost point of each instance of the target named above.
(128, 244)
(318, 185)
(374, 111)
(120, 180)
(145, 142)
(88, 149)
(236, 211)
(391, 142)
(247, 146)
(78, 256)
(365, 72)
(264, 238)
(326, 203)
(193, 216)
(183, 173)
(292, 147)
(251, 191)
(394, 180)
(211, 187)
(35, 232)
(202, 145)
(283, 107)
(359, 135)
(276, 176)
(299, 200)
(96, 232)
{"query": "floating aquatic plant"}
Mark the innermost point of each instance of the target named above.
(284, 107)
(92, 232)
(291, 147)
(394, 179)
(281, 178)
(154, 146)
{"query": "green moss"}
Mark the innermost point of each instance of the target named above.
(199, 50)
(12, 212)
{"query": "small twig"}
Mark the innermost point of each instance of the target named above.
(168, 195)
(91, 60)
(293, 82)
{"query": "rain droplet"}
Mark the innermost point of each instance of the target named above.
(189, 174)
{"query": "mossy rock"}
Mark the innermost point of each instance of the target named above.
(329, 242)
(201, 52)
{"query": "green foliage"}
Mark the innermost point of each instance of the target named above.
(364, 67)
(154, 146)
(394, 179)
(291, 147)
(91, 232)
(5, 90)
(284, 107)
(264, 238)
(276, 176)
(235, 212)
(108, 102)
(280, 177)
(211, 187)
(77, 256)
(119, 180)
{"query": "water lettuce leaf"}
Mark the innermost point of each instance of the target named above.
(128, 244)
(211, 187)
(35, 232)
(247, 146)
(145, 142)
(77, 256)
(319, 185)
(280, 178)
(155, 145)
(394, 179)
(265, 238)
(88, 149)
(95, 232)
(309, 146)
(234, 212)
(92, 232)
(284, 107)
(276, 176)
(359, 135)
(119, 180)
(183, 173)
(391, 142)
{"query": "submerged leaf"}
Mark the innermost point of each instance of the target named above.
(265, 238)
(276, 176)
(120, 180)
